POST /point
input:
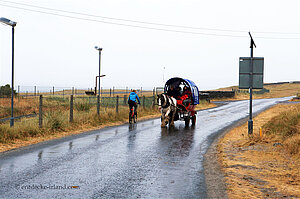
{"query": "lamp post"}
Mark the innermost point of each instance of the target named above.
(98, 99)
(12, 24)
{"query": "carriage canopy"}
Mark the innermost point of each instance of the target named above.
(177, 82)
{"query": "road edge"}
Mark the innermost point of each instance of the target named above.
(214, 176)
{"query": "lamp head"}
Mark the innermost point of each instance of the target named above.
(8, 22)
(98, 48)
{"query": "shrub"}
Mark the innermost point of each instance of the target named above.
(284, 124)
(5, 91)
(55, 120)
(82, 106)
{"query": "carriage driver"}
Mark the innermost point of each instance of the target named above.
(174, 92)
(132, 100)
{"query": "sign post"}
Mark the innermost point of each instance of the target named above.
(250, 122)
(251, 77)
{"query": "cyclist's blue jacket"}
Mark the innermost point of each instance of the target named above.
(133, 96)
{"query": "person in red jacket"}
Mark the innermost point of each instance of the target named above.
(186, 97)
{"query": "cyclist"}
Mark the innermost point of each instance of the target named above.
(132, 100)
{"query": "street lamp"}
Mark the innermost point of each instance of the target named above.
(98, 99)
(12, 24)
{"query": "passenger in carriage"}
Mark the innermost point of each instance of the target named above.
(186, 97)
(187, 92)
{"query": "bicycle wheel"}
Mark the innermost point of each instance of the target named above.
(135, 118)
(130, 118)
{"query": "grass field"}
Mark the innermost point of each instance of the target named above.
(276, 91)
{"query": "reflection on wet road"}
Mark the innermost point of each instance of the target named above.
(128, 161)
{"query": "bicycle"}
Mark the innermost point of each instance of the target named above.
(132, 115)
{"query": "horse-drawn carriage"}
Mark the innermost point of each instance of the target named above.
(178, 102)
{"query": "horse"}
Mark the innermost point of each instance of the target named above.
(167, 105)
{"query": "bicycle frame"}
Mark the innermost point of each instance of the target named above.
(132, 115)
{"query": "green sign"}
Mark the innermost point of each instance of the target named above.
(257, 73)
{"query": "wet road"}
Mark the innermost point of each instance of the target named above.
(140, 161)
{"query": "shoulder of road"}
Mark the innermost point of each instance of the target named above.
(266, 164)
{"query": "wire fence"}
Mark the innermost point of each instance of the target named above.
(29, 91)
(37, 104)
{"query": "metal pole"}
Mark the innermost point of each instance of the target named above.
(250, 122)
(12, 80)
(98, 105)
(71, 109)
(117, 104)
(99, 91)
(99, 72)
(41, 112)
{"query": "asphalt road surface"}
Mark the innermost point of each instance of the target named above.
(128, 161)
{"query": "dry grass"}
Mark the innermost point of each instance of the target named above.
(267, 166)
(204, 105)
(21, 107)
(276, 91)
(56, 121)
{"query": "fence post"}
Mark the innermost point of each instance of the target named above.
(71, 108)
(143, 101)
(117, 104)
(110, 92)
(98, 105)
(18, 91)
(41, 112)
(34, 90)
(53, 90)
(153, 101)
(72, 90)
(125, 99)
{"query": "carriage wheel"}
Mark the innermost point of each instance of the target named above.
(187, 121)
(194, 120)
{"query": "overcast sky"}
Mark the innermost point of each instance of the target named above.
(52, 50)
